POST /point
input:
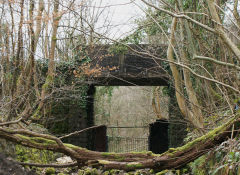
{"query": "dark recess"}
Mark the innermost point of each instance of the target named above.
(158, 136)
(99, 139)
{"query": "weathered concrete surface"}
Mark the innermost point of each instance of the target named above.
(127, 112)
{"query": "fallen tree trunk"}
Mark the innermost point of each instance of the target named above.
(173, 158)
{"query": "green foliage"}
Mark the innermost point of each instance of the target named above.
(103, 96)
(81, 56)
(42, 64)
(118, 49)
(71, 94)
(60, 127)
(148, 27)
(237, 100)
(105, 91)
(187, 4)
(198, 166)
(136, 37)
(225, 159)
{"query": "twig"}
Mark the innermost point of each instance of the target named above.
(232, 131)
(180, 16)
(78, 132)
(216, 61)
(11, 122)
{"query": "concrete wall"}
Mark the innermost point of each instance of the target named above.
(126, 106)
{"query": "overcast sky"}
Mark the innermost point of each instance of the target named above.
(123, 14)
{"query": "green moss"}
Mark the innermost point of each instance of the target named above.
(25, 154)
(134, 165)
(115, 156)
(119, 158)
(137, 173)
(37, 114)
(113, 172)
(89, 171)
(46, 142)
(106, 154)
(73, 146)
(208, 136)
(106, 173)
(48, 82)
(50, 171)
(54, 38)
(80, 172)
(130, 173)
(178, 172)
(172, 150)
(151, 171)
(37, 140)
(200, 172)
(94, 171)
(42, 140)
(149, 153)
(104, 162)
(162, 172)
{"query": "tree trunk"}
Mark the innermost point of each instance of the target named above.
(50, 75)
(220, 31)
(173, 158)
(188, 115)
(195, 107)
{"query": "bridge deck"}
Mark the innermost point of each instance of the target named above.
(127, 69)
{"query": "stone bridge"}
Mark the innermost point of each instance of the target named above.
(126, 68)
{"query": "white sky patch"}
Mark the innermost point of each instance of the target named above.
(122, 16)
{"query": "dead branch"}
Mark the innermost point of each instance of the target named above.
(11, 122)
(48, 165)
(81, 131)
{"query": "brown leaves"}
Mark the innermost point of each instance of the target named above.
(89, 69)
